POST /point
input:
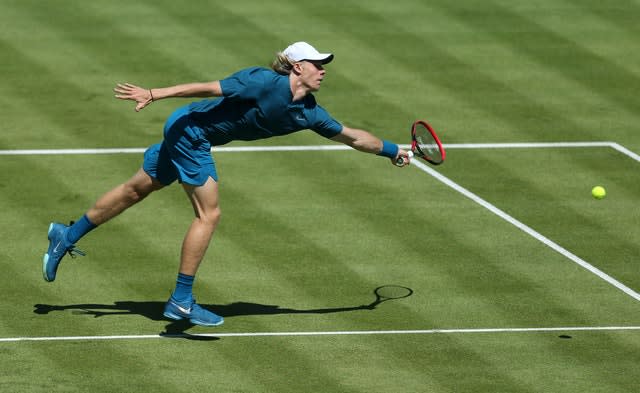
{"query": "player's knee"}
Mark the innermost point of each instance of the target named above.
(212, 216)
(216, 214)
(135, 194)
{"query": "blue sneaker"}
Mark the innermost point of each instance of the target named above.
(190, 310)
(58, 246)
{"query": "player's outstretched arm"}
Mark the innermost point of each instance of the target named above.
(143, 96)
(367, 142)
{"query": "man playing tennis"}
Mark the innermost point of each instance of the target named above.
(254, 103)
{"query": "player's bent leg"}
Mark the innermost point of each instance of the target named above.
(204, 200)
(122, 197)
(106, 207)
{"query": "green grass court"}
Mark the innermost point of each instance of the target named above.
(521, 280)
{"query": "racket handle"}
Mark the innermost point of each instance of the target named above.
(400, 161)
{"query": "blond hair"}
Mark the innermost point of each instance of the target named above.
(282, 64)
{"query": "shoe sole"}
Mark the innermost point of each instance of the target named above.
(177, 317)
(200, 323)
(44, 268)
(45, 259)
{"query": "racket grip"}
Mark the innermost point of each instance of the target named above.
(400, 161)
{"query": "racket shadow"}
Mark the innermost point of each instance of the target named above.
(153, 310)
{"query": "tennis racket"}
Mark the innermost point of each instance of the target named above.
(425, 144)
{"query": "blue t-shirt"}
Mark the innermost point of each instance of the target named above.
(257, 104)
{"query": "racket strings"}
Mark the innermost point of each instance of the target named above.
(426, 144)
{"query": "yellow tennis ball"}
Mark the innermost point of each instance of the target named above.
(598, 192)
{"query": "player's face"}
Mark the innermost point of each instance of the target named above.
(312, 74)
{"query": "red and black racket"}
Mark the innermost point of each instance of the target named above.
(425, 144)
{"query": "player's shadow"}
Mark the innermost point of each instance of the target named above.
(153, 310)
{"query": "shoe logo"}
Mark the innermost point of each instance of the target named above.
(55, 249)
(300, 118)
(182, 309)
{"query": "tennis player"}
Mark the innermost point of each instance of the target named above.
(254, 103)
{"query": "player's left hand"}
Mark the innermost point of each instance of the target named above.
(127, 91)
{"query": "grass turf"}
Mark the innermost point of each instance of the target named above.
(306, 237)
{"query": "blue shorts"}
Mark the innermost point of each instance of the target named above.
(184, 154)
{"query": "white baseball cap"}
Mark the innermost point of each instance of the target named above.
(302, 51)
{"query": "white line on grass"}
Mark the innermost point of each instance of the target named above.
(625, 151)
(534, 145)
(528, 230)
(245, 149)
(228, 149)
(58, 152)
(329, 333)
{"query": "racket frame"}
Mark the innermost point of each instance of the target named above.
(415, 148)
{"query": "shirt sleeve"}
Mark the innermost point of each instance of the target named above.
(246, 84)
(324, 124)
